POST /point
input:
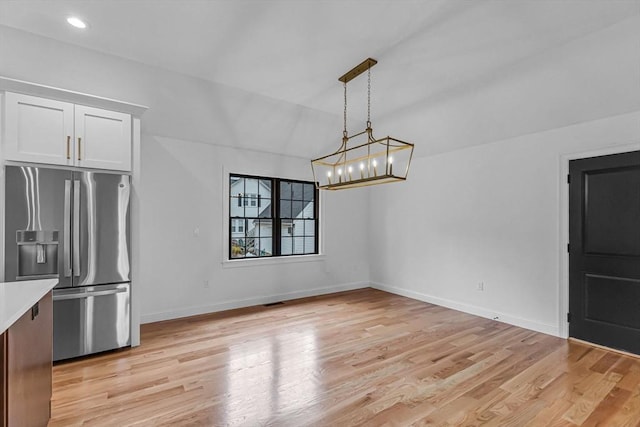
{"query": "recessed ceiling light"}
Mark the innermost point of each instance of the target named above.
(76, 22)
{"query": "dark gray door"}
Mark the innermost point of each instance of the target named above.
(101, 235)
(604, 258)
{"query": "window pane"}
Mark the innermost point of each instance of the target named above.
(298, 245)
(237, 248)
(296, 190)
(309, 192)
(285, 190)
(250, 230)
(237, 228)
(250, 186)
(309, 228)
(265, 188)
(298, 227)
(286, 246)
(285, 209)
(308, 210)
(265, 228)
(251, 211)
(236, 210)
(251, 247)
(265, 247)
(309, 245)
(236, 185)
(286, 228)
(296, 209)
(264, 207)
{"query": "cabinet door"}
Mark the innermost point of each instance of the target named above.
(102, 139)
(29, 353)
(38, 130)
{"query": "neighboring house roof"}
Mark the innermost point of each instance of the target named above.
(266, 212)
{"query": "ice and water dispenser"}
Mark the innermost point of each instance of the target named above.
(37, 254)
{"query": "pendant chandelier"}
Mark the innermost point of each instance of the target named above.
(366, 162)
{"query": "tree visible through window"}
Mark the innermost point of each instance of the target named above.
(271, 217)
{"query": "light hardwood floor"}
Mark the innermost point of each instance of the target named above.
(363, 357)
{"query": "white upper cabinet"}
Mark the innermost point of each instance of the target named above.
(38, 130)
(41, 130)
(103, 139)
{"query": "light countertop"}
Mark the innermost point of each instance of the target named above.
(18, 297)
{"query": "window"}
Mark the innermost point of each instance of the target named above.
(272, 217)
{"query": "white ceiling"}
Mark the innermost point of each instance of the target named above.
(295, 50)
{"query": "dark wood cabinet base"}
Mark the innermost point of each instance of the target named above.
(26, 351)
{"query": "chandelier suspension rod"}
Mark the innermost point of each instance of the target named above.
(369, 97)
(344, 132)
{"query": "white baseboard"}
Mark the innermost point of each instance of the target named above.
(248, 302)
(471, 309)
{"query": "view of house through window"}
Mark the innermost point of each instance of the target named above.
(271, 217)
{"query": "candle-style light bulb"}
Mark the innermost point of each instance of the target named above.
(361, 170)
(329, 177)
(350, 169)
(339, 175)
(375, 167)
(390, 165)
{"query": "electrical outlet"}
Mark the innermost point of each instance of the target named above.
(206, 284)
(480, 286)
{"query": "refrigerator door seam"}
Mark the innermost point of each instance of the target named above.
(76, 228)
(67, 228)
(80, 295)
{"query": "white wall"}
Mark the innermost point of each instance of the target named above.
(175, 262)
(487, 214)
(193, 131)
(494, 213)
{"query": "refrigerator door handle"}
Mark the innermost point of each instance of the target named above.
(81, 295)
(67, 228)
(76, 228)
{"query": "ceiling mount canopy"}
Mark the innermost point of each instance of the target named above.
(367, 162)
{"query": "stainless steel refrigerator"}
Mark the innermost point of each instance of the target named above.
(74, 226)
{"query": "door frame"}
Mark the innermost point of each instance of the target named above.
(563, 296)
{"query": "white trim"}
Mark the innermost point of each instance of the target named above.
(135, 227)
(36, 89)
(68, 168)
(471, 309)
(2, 185)
(287, 259)
(248, 302)
(563, 291)
(248, 262)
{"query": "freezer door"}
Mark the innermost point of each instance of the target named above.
(90, 320)
(101, 228)
(37, 239)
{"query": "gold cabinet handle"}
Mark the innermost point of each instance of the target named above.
(68, 147)
(79, 148)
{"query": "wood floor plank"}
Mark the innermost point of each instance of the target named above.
(362, 357)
